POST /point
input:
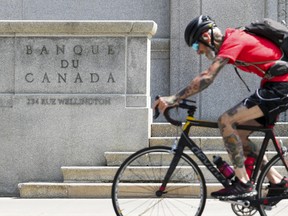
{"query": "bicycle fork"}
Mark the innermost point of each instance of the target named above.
(178, 151)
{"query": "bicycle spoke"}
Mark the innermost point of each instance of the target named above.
(176, 207)
(135, 189)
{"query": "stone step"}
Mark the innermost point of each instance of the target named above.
(78, 190)
(95, 182)
(106, 174)
(209, 143)
(117, 158)
(168, 130)
(64, 190)
(82, 182)
(89, 174)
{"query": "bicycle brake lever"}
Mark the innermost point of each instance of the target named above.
(156, 113)
(156, 110)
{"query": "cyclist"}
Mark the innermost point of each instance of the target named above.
(238, 47)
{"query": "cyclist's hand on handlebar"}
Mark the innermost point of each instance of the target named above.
(162, 103)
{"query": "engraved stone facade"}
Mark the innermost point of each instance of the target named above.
(59, 95)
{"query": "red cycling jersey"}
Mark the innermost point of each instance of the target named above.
(239, 46)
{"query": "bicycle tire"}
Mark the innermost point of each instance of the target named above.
(281, 208)
(140, 176)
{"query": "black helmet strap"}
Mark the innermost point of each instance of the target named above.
(212, 39)
(212, 46)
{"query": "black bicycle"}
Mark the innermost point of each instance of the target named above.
(166, 181)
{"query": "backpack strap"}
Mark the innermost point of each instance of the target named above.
(254, 64)
(237, 72)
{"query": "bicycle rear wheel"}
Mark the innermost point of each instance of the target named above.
(140, 176)
(272, 208)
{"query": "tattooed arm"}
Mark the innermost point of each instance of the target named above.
(198, 84)
(203, 80)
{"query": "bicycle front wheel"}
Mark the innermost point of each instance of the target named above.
(135, 185)
(278, 207)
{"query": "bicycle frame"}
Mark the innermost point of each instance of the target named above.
(185, 141)
(156, 193)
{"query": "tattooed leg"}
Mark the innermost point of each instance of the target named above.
(252, 149)
(235, 150)
(233, 143)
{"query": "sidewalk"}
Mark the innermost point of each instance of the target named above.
(55, 207)
(85, 207)
(82, 207)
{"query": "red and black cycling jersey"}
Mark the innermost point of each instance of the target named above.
(251, 53)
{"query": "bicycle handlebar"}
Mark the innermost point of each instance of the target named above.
(183, 104)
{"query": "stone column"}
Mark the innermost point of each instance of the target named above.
(184, 63)
(69, 91)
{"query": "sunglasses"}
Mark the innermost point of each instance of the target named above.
(195, 46)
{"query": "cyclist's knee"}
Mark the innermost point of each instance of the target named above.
(225, 120)
(221, 120)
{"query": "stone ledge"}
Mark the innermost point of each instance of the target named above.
(160, 44)
(77, 27)
(78, 190)
(117, 158)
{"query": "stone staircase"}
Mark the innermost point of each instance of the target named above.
(95, 181)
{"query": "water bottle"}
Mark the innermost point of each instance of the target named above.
(249, 165)
(223, 167)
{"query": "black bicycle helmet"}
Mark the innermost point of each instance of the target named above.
(196, 27)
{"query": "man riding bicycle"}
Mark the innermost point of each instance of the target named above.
(260, 109)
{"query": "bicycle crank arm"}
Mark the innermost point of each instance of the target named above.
(270, 200)
(256, 202)
(244, 203)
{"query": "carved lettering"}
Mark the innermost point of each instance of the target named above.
(71, 59)
(28, 50)
(60, 49)
(95, 49)
(111, 78)
(78, 79)
(63, 78)
(94, 77)
(47, 101)
(29, 77)
(32, 101)
(44, 50)
(111, 50)
(78, 50)
(64, 63)
(75, 63)
(69, 101)
(45, 79)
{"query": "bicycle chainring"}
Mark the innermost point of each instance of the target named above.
(240, 210)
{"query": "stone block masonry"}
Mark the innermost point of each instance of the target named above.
(69, 91)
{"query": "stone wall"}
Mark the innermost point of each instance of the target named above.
(54, 93)
(172, 64)
(71, 91)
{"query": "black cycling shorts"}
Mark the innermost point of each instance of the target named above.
(272, 99)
